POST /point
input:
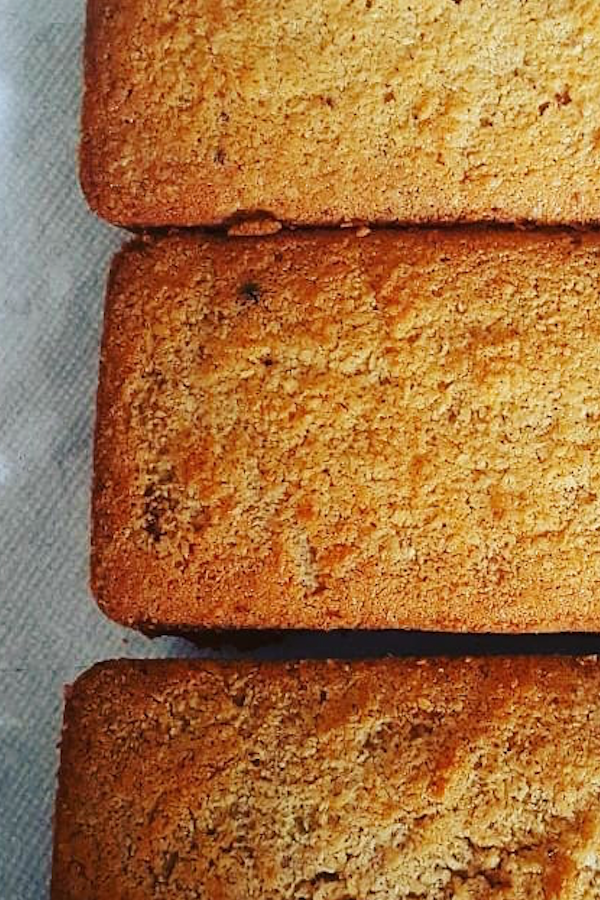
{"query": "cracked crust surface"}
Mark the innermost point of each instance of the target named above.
(325, 431)
(204, 112)
(440, 780)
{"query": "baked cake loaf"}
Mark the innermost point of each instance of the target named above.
(326, 431)
(202, 112)
(442, 780)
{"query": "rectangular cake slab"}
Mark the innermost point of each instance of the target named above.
(443, 780)
(204, 112)
(325, 431)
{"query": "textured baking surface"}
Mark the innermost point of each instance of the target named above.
(198, 111)
(441, 780)
(321, 431)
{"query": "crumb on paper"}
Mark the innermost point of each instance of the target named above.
(254, 227)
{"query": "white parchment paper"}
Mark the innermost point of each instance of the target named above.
(54, 257)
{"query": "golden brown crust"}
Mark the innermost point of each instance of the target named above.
(113, 452)
(93, 108)
(203, 112)
(315, 431)
(442, 779)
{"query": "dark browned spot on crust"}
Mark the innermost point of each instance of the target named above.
(250, 291)
(564, 98)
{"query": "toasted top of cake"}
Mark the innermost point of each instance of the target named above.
(199, 112)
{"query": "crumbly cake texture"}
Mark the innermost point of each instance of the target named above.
(202, 112)
(440, 780)
(325, 431)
